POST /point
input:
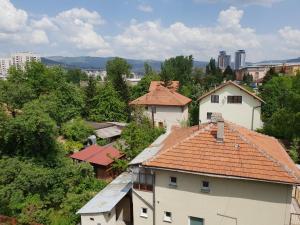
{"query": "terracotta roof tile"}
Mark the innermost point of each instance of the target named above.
(162, 96)
(243, 154)
(174, 86)
(100, 155)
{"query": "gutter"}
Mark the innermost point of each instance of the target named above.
(252, 119)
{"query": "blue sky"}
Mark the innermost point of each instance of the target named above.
(158, 29)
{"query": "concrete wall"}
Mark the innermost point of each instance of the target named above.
(169, 115)
(230, 201)
(240, 114)
(142, 199)
(99, 218)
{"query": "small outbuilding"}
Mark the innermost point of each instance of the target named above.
(101, 158)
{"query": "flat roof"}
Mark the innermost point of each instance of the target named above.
(109, 197)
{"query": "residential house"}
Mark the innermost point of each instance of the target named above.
(236, 104)
(215, 173)
(164, 106)
(101, 158)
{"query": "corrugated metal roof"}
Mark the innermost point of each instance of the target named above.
(151, 151)
(108, 132)
(109, 197)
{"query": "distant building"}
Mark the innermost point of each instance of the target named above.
(18, 60)
(240, 58)
(5, 64)
(236, 104)
(224, 60)
(288, 68)
(164, 106)
(257, 72)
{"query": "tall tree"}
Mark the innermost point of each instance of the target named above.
(228, 73)
(178, 68)
(108, 106)
(75, 76)
(117, 70)
(90, 92)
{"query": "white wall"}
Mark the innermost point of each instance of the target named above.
(240, 114)
(230, 202)
(142, 199)
(99, 218)
(169, 115)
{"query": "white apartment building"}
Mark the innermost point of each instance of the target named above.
(236, 104)
(21, 58)
(5, 64)
(18, 60)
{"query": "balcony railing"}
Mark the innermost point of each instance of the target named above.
(143, 181)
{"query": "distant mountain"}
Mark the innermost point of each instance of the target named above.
(296, 60)
(87, 62)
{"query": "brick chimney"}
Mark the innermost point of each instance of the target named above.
(218, 119)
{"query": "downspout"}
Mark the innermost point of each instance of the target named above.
(153, 198)
(252, 120)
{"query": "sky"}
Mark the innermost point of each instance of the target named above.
(156, 29)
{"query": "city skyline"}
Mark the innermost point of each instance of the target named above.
(161, 29)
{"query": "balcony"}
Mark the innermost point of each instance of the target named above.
(143, 181)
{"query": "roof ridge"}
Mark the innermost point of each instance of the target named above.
(185, 139)
(263, 152)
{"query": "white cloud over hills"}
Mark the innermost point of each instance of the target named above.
(77, 31)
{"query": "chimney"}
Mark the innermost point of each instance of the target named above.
(218, 119)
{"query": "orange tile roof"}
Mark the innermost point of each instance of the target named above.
(243, 154)
(162, 96)
(174, 86)
(228, 83)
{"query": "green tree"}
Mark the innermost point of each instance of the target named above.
(90, 92)
(32, 133)
(108, 106)
(247, 79)
(117, 70)
(75, 76)
(293, 152)
(76, 130)
(269, 75)
(178, 68)
(228, 73)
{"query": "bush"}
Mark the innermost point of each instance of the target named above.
(76, 130)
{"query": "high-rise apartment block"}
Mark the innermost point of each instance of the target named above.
(223, 60)
(18, 60)
(240, 58)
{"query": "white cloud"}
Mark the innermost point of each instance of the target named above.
(11, 19)
(241, 2)
(145, 8)
(151, 40)
(291, 36)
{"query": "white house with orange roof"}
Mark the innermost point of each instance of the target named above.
(236, 104)
(214, 173)
(164, 105)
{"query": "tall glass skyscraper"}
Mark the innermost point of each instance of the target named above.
(240, 58)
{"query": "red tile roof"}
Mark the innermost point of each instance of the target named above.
(162, 96)
(100, 155)
(174, 86)
(230, 83)
(243, 154)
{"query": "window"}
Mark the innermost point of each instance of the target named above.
(196, 221)
(173, 181)
(143, 181)
(208, 115)
(160, 124)
(205, 187)
(234, 99)
(92, 219)
(144, 213)
(168, 217)
(214, 99)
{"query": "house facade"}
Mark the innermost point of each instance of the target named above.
(215, 173)
(164, 106)
(236, 104)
